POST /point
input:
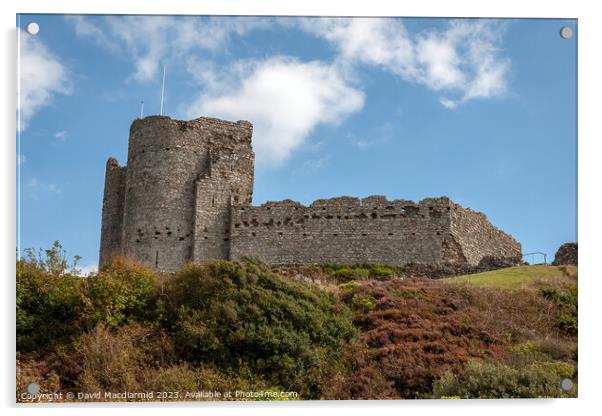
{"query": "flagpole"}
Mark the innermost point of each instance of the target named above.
(163, 88)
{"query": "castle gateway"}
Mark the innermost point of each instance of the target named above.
(186, 195)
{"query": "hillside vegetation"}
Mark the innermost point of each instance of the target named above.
(520, 277)
(240, 326)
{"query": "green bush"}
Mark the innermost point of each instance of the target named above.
(237, 317)
(50, 301)
(345, 273)
(382, 271)
(364, 301)
(499, 381)
(567, 300)
(122, 293)
(351, 273)
(349, 287)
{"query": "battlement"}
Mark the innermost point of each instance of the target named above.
(186, 195)
(369, 230)
(197, 123)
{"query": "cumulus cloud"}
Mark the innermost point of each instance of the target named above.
(285, 98)
(41, 76)
(462, 60)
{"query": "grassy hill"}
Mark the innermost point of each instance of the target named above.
(520, 277)
(330, 332)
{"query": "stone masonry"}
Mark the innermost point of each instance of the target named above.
(186, 196)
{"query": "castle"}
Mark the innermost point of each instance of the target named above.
(186, 195)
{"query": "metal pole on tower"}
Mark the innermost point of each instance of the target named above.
(141, 108)
(163, 88)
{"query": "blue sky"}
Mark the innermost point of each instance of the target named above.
(483, 111)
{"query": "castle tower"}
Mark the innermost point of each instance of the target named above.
(172, 202)
(186, 195)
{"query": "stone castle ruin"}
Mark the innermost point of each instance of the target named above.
(186, 196)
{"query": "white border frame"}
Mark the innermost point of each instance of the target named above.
(589, 73)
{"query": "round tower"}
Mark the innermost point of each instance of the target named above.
(164, 159)
(180, 181)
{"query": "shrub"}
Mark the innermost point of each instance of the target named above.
(345, 273)
(50, 301)
(237, 317)
(363, 301)
(110, 360)
(497, 380)
(558, 348)
(566, 298)
(413, 330)
(382, 271)
(348, 273)
(123, 292)
(183, 378)
(54, 304)
(117, 359)
(349, 286)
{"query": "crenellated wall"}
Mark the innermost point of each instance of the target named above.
(186, 195)
(372, 230)
(342, 230)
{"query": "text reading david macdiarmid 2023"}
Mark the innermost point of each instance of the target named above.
(158, 396)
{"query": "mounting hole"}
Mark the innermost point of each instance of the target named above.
(566, 384)
(33, 388)
(566, 32)
(32, 28)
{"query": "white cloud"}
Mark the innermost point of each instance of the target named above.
(35, 186)
(439, 62)
(447, 103)
(83, 27)
(88, 268)
(151, 40)
(373, 41)
(463, 59)
(61, 136)
(283, 97)
(316, 164)
(286, 98)
(41, 75)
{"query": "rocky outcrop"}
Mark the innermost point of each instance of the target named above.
(566, 254)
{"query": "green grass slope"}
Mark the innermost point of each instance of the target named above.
(520, 277)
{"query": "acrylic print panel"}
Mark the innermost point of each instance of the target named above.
(266, 208)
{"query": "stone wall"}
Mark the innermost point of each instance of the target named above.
(372, 230)
(112, 211)
(167, 159)
(479, 239)
(186, 195)
(227, 182)
(342, 230)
